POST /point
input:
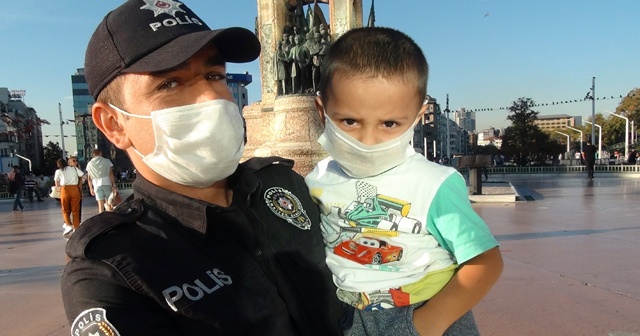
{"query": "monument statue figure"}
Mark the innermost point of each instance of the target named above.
(281, 67)
(300, 57)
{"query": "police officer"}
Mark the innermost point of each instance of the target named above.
(204, 246)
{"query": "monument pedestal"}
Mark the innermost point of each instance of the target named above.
(289, 125)
(289, 129)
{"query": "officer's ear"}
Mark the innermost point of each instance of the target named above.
(108, 120)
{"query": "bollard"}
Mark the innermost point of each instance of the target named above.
(475, 163)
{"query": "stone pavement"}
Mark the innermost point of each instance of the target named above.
(571, 254)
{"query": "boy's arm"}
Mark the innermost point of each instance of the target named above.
(469, 285)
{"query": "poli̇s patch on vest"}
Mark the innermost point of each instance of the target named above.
(287, 206)
(93, 322)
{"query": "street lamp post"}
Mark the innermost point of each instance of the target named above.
(626, 134)
(447, 127)
(593, 106)
(64, 152)
(568, 142)
(579, 131)
(599, 138)
(26, 159)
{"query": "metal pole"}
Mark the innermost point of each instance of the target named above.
(579, 131)
(447, 121)
(568, 142)
(434, 149)
(626, 140)
(599, 138)
(26, 159)
(64, 152)
(626, 134)
(593, 108)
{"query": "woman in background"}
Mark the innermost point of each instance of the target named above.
(68, 179)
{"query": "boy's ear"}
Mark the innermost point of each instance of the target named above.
(106, 120)
(320, 109)
(421, 112)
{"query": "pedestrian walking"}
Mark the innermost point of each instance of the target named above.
(30, 185)
(73, 162)
(589, 157)
(69, 179)
(101, 180)
(16, 187)
(42, 185)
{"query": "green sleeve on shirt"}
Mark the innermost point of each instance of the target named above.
(454, 223)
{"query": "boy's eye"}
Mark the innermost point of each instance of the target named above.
(349, 122)
(390, 124)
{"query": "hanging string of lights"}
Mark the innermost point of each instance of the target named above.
(554, 103)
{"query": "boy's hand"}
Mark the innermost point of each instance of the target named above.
(469, 285)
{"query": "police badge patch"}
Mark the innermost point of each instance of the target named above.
(93, 322)
(287, 206)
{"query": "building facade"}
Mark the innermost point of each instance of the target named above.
(87, 135)
(465, 119)
(20, 133)
(557, 121)
(237, 84)
(425, 136)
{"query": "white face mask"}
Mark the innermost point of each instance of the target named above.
(359, 160)
(196, 145)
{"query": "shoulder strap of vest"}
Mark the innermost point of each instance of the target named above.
(126, 213)
(258, 163)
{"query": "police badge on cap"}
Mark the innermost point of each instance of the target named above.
(287, 206)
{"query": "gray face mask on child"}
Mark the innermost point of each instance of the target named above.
(359, 160)
(196, 145)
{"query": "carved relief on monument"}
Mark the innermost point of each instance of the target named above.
(266, 34)
(300, 51)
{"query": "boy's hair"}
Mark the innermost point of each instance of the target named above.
(371, 52)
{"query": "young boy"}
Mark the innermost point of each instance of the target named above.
(399, 230)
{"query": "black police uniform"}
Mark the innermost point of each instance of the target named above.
(167, 264)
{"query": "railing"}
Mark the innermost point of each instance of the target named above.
(85, 190)
(560, 169)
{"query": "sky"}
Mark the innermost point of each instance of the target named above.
(484, 54)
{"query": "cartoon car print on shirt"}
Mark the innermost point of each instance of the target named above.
(371, 214)
(368, 251)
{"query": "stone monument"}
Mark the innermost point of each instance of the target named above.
(285, 122)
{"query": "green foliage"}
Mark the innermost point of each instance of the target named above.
(630, 105)
(613, 130)
(521, 112)
(524, 142)
(52, 152)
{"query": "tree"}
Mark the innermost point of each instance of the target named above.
(52, 152)
(630, 105)
(524, 141)
(613, 131)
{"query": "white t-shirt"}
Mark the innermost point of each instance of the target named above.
(99, 170)
(389, 236)
(68, 175)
